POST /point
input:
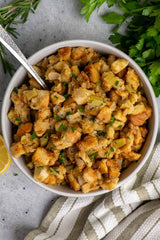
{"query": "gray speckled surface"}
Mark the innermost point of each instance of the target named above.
(23, 204)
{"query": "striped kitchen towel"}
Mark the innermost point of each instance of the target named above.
(126, 213)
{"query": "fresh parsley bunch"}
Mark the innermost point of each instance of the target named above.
(142, 36)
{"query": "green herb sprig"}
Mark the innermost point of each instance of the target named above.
(14, 13)
(90, 6)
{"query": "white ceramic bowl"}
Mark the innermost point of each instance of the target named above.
(102, 48)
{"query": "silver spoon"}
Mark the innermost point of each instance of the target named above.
(7, 41)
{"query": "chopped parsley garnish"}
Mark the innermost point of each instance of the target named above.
(33, 136)
(55, 96)
(81, 66)
(120, 126)
(112, 149)
(66, 95)
(117, 82)
(55, 170)
(73, 129)
(73, 74)
(18, 119)
(63, 127)
(111, 121)
(112, 118)
(15, 174)
(97, 83)
(91, 119)
(68, 113)
(57, 117)
(91, 100)
(60, 160)
(107, 154)
(128, 137)
(15, 90)
(62, 154)
(101, 104)
(40, 168)
(93, 155)
(64, 84)
(81, 110)
(102, 133)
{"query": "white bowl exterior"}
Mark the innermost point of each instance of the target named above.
(104, 49)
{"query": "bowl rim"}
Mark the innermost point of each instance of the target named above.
(79, 42)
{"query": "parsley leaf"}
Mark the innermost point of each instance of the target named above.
(110, 3)
(101, 133)
(81, 110)
(18, 119)
(15, 90)
(113, 18)
(116, 37)
(107, 154)
(68, 113)
(57, 117)
(55, 170)
(117, 82)
(63, 127)
(91, 119)
(60, 160)
(93, 155)
(40, 168)
(73, 75)
(33, 136)
(112, 121)
(61, 156)
(66, 95)
(90, 6)
(112, 149)
(73, 129)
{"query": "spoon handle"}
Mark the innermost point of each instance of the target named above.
(7, 41)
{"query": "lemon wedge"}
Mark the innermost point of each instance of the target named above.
(5, 159)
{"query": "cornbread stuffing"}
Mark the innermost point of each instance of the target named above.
(89, 125)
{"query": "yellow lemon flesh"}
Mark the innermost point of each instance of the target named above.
(5, 158)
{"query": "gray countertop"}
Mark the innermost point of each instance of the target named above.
(23, 204)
